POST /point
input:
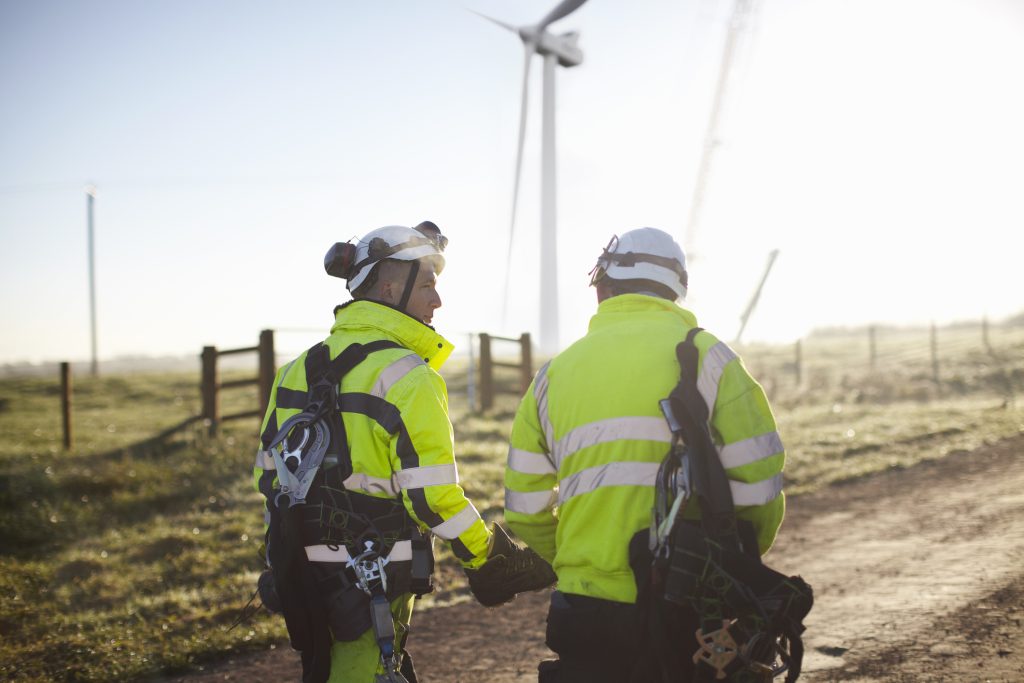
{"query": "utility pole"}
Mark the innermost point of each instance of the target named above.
(90, 192)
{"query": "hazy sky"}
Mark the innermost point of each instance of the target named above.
(878, 144)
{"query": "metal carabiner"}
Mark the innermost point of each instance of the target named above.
(369, 569)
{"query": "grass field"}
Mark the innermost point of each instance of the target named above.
(122, 560)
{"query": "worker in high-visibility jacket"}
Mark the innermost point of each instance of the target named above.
(394, 409)
(588, 439)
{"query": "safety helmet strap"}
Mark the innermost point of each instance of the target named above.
(409, 282)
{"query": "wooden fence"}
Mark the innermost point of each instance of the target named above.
(211, 385)
(488, 387)
(209, 389)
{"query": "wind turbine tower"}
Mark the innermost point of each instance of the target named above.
(556, 50)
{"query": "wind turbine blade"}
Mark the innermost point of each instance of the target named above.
(564, 8)
(498, 22)
(528, 50)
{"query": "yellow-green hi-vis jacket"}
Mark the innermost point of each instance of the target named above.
(406, 450)
(589, 436)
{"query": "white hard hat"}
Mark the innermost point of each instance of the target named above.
(354, 262)
(644, 254)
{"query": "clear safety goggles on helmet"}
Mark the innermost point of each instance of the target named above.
(378, 249)
(598, 271)
(433, 235)
(630, 259)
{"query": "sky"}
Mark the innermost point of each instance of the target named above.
(877, 144)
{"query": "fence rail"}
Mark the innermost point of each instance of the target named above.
(488, 387)
(211, 386)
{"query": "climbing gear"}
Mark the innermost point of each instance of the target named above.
(643, 254)
(510, 569)
(749, 617)
(354, 261)
(335, 555)
(371, 579)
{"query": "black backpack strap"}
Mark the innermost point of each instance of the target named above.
(324, 376)
(351, 356)
(710, 482)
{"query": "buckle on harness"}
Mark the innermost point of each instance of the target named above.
(372, 580)
(369, 570)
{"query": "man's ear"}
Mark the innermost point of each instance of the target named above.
(387, 291)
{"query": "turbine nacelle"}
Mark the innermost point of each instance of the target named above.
(562, 46)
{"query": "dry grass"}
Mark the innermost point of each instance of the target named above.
(118, 563)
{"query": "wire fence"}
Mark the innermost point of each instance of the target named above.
(889, 363)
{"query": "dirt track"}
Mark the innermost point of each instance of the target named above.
(918, 576)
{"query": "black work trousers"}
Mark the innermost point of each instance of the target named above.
(597, 641)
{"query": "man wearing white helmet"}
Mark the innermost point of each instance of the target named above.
(357, 465)
(588, 440)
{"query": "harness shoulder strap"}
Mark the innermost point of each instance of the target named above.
(710, 482)
(353, 355)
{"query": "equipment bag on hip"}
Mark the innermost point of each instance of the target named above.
(712, 610)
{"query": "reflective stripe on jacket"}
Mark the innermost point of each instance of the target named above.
(395, 408)
(589, 436)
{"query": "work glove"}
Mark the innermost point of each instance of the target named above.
(510, 569)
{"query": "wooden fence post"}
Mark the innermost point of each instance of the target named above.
(984, 334)
(211, 407)
(526, 368)
(872, 354)
(486, 373)
(935, 354)
(267, 369)
(65, 403)
(471, 376)
(797, 360)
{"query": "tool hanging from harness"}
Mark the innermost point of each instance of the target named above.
(708, 574)
(337, 558)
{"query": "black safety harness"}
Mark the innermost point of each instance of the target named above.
(709, 574)
(332, 552)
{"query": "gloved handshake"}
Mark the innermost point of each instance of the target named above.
(510, 569)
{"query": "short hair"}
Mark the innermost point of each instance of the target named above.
(391, 268)
(638, 286)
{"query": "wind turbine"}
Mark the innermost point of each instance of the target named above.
(558, 50)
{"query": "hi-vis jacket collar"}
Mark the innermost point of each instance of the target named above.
(637, 304)
(393, 324)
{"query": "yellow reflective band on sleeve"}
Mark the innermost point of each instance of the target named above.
(368, 484)
(390, 375)
(612, 474)
(750, 450)
(758, 493)
(454, 526)
(612, 429)
(540, 393)
(715, 360)
(529, 503)
(433, 475)
(527, 462)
